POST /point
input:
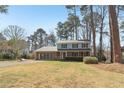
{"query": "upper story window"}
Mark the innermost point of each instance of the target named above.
(63, 45)
(74, 45)
(85, 45)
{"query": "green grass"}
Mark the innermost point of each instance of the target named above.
(58, 74)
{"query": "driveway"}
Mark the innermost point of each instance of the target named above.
(12, 63)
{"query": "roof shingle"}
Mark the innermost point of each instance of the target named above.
(47, 49)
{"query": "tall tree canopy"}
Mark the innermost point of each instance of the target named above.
(3, 8)
(38, 39)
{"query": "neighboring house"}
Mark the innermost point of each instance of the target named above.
(67, 48)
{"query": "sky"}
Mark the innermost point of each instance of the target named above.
(32, 17)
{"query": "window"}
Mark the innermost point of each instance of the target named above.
(85, 45)
(72, 54)
(75, 54)
(86, 53)
(69, 53)
(63, 45)
(80, 53)
(74, 45)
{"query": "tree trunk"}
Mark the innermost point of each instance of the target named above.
(87, 31)
(111, 49)
(111, 43)
(93, 30)
(76, 35)
(115, 34)
(101, 41)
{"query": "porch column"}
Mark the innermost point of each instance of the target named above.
(62, 55)
(38, 55)
(78, 54)
(83, 53)
(66, 53)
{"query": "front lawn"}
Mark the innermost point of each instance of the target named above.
(115, 67)
(58, 74)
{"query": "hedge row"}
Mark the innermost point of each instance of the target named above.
(86, 60)
(73, 58)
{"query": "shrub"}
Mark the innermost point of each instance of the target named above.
(90, 60)
(10, 56)
(7, 56)
(102, 58)
(27, 56)
(1, 56)
(73, 58)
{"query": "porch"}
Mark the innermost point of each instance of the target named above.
(60, 55)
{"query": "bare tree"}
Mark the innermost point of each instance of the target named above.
(93, 30)
(15, 34)
(91, 16)
(102, 11)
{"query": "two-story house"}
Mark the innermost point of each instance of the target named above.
(67, 48)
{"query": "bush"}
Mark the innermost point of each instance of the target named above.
(90, 60)
(7, 56)
(26, 56)
(1, 56)
(103, 58)
(73, 58)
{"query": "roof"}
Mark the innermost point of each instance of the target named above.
(72, 41)
(87, 49)
(47, 49)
